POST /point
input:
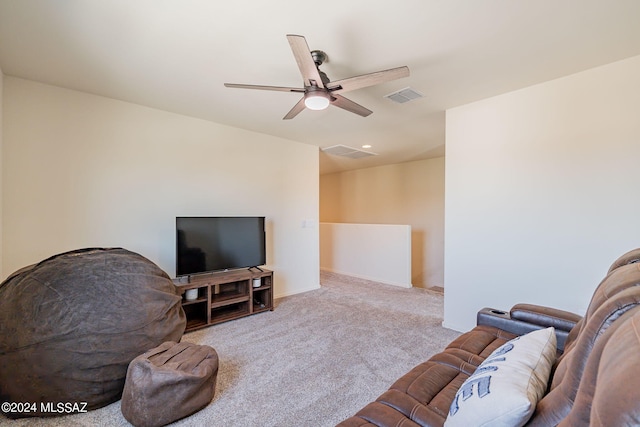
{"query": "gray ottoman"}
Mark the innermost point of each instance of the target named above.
(169, 382)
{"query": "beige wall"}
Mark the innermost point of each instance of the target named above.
(82, 170)
(407, 193)
(1, 172)
(376, 252)
(542, 192)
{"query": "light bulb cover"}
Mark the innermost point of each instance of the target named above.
(316, 100)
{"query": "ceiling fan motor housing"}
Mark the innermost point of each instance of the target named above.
(319, 57)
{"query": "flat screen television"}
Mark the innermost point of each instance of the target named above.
(208, 244)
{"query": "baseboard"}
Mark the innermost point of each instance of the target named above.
(286, 294)
(371, 279)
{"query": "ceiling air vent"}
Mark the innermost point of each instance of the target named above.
(344, 151)
(404, 95)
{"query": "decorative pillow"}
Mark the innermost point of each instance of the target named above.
(507, 386)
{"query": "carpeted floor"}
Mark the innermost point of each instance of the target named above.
(315, 360)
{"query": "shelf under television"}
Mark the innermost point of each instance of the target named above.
(229, 312)
(193, 324)
(227, 300)
(224, 296)
(195, 301)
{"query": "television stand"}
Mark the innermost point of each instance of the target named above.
(225, 295)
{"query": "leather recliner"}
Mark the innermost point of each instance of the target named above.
(594, 382)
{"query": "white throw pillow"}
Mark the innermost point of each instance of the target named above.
(505, 389)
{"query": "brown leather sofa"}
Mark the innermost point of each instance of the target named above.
(595, 380)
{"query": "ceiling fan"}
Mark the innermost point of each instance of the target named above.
(318, 91)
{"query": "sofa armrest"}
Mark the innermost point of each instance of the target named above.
(545, 316)
(525, 318)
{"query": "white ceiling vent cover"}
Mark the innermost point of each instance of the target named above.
(344, 151)
(404, 95)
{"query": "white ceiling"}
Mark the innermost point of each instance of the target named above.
(175, 55)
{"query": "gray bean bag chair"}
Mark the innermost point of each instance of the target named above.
(72, 323)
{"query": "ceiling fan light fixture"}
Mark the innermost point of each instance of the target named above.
(316, 100)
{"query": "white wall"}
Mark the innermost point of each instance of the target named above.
(82, 170)
(406, 193)
(541, 192)
(378, 252)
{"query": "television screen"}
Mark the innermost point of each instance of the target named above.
(205, 244)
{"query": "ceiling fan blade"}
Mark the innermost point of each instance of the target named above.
(349, 105)
(307, 66)
(295, 110)
(276, 88)
(357, 82)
